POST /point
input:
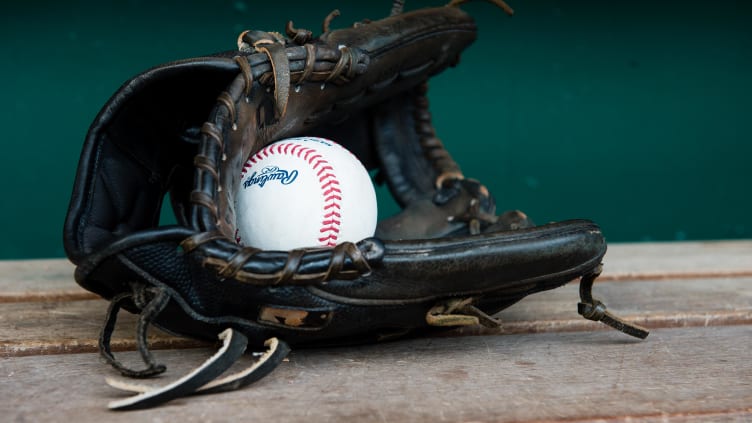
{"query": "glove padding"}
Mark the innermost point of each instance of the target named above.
(446, 260)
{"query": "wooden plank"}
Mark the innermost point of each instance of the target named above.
(52, 280)
(39, 280)
(663, 260)
(73, 326)
(70, 327)
(685, 374)
(652, 304)
(726, 416)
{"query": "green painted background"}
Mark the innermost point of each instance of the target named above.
(636, 114)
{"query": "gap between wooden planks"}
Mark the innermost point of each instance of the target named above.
(43, 311)
(73, 326)
(696, 371)
(52, 279)
(681, 374)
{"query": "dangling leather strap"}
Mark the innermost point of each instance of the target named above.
(199, 381)
(592, 309)
(150, 311)
(274, 48)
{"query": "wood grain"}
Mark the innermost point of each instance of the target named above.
(39, 280)
(673, 260)
(685, 374)
(70, 327)
(73, 326)
(545, 364)
(52, 279)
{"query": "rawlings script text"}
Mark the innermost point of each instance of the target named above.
(270, 173)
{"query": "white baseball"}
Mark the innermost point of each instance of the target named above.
(304, 192)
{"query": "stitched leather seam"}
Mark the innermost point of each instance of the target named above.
(328, 183)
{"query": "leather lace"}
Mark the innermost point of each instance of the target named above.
(593, 309)
(461, 312)
(202, 380)
(152, 301)
(289, 273)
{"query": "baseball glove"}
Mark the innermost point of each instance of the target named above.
(186, 128)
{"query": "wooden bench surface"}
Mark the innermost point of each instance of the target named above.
(546, 363)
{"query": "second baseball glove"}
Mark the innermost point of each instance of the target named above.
(186, 128)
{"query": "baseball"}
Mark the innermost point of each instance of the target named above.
(304, 192)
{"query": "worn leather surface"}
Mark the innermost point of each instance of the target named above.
(185, 128)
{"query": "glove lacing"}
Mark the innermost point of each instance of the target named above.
(461, 312)
(203, 379)
(593, 309)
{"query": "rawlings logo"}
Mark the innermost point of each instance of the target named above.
(270, 173)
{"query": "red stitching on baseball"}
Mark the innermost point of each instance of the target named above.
(332, 193)
(312, 158)
(318, 163)
(327, 176)
(324, 169)
(254, 159)
(330, 183)
(330, 240)
(331, 228)
(327, 179)
(331, 190)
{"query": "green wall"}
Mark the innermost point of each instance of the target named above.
(637, 115)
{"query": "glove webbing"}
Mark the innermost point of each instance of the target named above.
(289, 65)
(281, 76)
